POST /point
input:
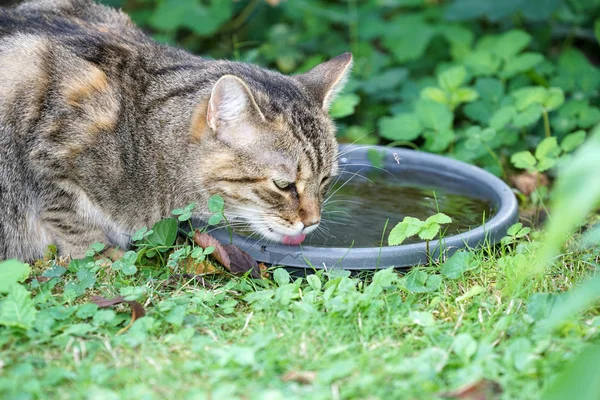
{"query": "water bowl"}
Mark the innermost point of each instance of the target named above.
(377, 188)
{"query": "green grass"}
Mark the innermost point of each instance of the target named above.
(384, 336)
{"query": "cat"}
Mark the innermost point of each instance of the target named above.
(103, 131)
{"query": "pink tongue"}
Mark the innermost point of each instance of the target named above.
(293, 240)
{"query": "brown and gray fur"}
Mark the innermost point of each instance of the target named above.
(103, 131)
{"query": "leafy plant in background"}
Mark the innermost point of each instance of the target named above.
(478, 81)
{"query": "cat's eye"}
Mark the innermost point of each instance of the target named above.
(282, 184)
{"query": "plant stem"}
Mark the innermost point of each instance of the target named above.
(427, 251)
(546, 123)
(495, 157)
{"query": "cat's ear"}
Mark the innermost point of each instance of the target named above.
(230, 101)
(326, 80)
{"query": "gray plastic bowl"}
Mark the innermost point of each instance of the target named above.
(455, 174)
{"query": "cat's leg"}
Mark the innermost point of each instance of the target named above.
(71, 235)
(73, 231)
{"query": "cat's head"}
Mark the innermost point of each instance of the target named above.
(274, 145)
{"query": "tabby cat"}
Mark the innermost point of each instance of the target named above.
(103, 130)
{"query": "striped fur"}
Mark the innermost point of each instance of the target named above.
(103, 131)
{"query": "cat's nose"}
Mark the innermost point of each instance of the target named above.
(310, 226)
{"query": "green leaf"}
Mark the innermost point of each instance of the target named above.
(128, 269)
(502, 117)
(216, 203)
(201, 18)
(527, 96)
(418, 281)
(17, 309)
(11, 272)
(546, 163)
(490, 89)
(437, 142)
(576, 73)
(530, 116)
(458, 264)
(433, 115)
(514, 229)
(129, 257)
(568, 144)
(524, 160)
(452, 78)
(142, 233)
(429, 231)
(52, 272)
(597, 29)
(408, 227)
(314, 281)
(518, 353)
(547, 148)
(344, 105)
(464, 346)
(164, 232)
(464, 95)
(578, 378)
(94, 248)
(482, 63)
(434, 94)
(400, 127)
(555, 98)
(215, 219)
(511, 43)
(520, 64)
(423, 318)
(479, 111)
(281, 276)
(439, 218)
(409, 38)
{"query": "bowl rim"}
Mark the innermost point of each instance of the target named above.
(372, 258)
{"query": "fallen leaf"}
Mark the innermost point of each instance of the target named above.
(305, 377)
(264, 272)
(241, 262)
(484, 389)
(204, 267)
(527, 182)
(230, 256)
(137, 311)
(40, 279)
(101, 302)
(205, 240)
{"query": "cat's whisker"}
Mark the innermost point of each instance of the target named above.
(344, 184)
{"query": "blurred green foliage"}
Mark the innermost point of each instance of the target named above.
(478, 80)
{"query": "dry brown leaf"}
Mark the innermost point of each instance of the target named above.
(305, 377)
(204, 267)
(528, 181)
(205, 240)
(263, 270)
(137, 311)
(230, 256)
(484, 389)
(102, 302)
(241, 262)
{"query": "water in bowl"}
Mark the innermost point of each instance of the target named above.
(356, 213)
